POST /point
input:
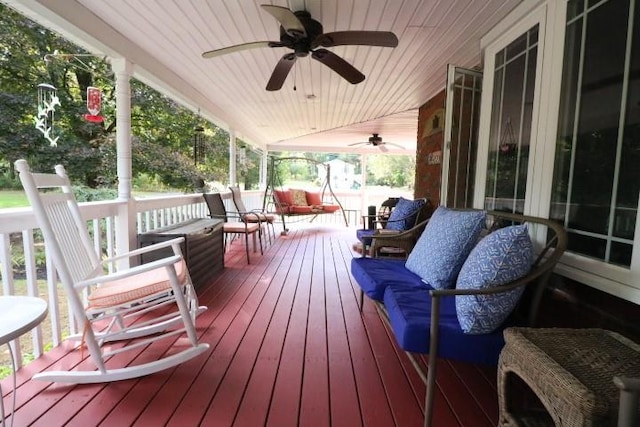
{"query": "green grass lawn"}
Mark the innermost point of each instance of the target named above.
(17, 198)
(13, 199)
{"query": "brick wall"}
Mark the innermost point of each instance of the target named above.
(429, 149)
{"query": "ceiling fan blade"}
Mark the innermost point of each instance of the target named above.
(356, 143)
(281, 71)
(395, 145)
(287, 19)
(362, 38)
(339, 65)
(383, 147)
(238, 48)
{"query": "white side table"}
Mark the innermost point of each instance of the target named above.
(18, 315)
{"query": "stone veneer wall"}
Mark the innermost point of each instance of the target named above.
(429, 149)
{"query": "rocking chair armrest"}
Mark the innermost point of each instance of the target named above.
(133, 271)
(145, 249)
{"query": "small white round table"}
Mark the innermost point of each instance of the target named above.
(18, 315)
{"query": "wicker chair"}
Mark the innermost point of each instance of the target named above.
(393, 241)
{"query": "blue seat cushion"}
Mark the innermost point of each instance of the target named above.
(365, 236)
(409, 309)
(373, 275)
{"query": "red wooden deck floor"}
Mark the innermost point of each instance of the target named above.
(288, 347)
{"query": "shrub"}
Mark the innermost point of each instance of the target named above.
(86, 194)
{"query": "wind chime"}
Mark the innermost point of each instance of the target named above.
(44, 120)
(198, 145)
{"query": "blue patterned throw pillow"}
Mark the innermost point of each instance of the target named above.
(444, 245)
(403, 216)
(502, 257)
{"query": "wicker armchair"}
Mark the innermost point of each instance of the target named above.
(385, 242)
(396, 242)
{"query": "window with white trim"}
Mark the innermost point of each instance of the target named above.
(510, 133)
(597, 168)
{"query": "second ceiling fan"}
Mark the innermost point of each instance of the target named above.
(376, 141)
(304, 35)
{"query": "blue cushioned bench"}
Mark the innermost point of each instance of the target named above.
(425, 319)
(408, 307)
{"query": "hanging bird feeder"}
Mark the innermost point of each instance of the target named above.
(94, 104)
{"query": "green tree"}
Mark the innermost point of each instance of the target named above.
(390, 170)
(162, 130)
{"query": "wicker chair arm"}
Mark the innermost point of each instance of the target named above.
(627, 384)
(530, 277)
(542, 267)
(402, 239)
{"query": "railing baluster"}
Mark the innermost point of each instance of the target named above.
(8, 288)
(33, 290)
(54, 303)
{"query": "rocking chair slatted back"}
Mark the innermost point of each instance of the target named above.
(59, 211)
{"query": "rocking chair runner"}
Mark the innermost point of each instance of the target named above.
(137, 306)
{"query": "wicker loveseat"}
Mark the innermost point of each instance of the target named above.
(425, 317)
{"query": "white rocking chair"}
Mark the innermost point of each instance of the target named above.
(135, 306)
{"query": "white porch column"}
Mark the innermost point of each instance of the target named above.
(233, 177)
(263, 170)
(125, 221)
(364, 202)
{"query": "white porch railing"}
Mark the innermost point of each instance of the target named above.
(22, 251)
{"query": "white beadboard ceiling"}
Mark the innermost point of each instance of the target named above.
(316, 110)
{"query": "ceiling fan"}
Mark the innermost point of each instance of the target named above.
(376, 141)
(302, 34)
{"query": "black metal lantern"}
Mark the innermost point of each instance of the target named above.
(198, 145)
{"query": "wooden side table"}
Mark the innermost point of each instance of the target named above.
(571, 371)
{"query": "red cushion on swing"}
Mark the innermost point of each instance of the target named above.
(313, 198)
(283, 197)
(301, 209)
(330, 208)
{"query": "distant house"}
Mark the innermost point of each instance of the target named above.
(343, 176)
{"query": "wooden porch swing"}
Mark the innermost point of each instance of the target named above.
(291, 202)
